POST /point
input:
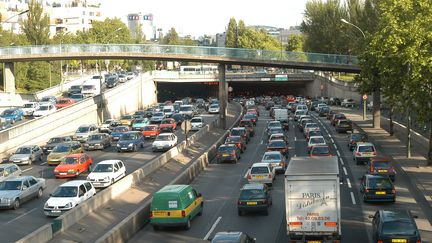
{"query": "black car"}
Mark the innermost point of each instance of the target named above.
(49, 146)
(111, 82)
(389, 226)
(232, 237)
(179, 118)
(377, 188)
(356, 137)
(254, 197)
(324, 111)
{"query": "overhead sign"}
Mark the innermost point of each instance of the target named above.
(281, 77)
(265, 79)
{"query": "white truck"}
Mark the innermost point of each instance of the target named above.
(312, 200)
(91, 87)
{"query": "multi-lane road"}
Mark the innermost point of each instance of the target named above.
(15, 224)
(220, 185)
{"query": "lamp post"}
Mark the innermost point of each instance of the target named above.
(15, 15)
(364, 36)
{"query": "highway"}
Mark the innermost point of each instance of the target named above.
(17, 223)
(220, 185)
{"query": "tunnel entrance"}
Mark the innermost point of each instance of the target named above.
(176, 90)
(268, 88)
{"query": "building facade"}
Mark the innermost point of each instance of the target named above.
(141, 24)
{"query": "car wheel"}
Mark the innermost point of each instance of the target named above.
(240, 213)
(142, 145)
(202, 209)
(40, 158)
(364, 198)
(112, 181)
(40, 193)
(135, 148)
(16, 204)
(188, 224)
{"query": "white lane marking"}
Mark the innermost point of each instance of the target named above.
(27, 169)
(212, 228)
(345, 171)
(341, 161)
(348, 182)
(295, 138)
(44, 163)
(337, 151)
(22, 215)
(353, 198)
(332, 140)
(247, 172)
(262, 141)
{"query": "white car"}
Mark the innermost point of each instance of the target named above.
(45, 109)
(310, 126)
(164, 142)
(261, 173)
(84, 131)
(26, 155)
(29, 108)
(187, 111)
(106, 172)
(213, 109)
(68, 196)
(196, 123)
(316, 141)
(130, 75)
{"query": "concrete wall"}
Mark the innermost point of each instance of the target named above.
(335, 88)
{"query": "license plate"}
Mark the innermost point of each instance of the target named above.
(313, 241)
(382, 171)
(251, 203)
(96, 184)
(91, 146)
(380, 193)
(55, 211)
(124, 148)
(259, 177)
(226, 155)
(399, 240)
(159, 213)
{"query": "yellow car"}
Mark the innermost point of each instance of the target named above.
(126, 120)
(61, 150)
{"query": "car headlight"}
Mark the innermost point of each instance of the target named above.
(71, 171)
(46, 205)
(68, 205)
(131, 144)
(96, 144)
(118, 145)
(107, 178)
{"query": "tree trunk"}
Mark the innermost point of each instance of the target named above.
(391, 130)
(429, 157)
(408, 145)
(376, 108)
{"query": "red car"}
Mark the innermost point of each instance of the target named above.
(320, 151)
(168, 125)
(73, 165)
(336, 118)
(253, 111)
(151, 131)
(64, 102)
(238, 141)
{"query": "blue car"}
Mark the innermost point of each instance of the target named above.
(117, 132)
(12, 115)
(130, 141)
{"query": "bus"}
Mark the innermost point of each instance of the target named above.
(198, 69)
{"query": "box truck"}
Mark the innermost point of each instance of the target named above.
(312, 200)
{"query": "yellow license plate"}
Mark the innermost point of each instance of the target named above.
(160, 213)
(226, 155)
(399, 240)
(382, 171)
(259, 177)
(251, 203)
(314, 241)
(380, 193)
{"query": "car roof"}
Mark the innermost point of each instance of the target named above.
(7, 165)
(260, 165)
(253, 186)
(228, 236)
(273, 152)
(74, 183)
(111, 161)
(18, 178)
(316, 137)
(166, 134)
(376, 176)
(277, 134)
(365, 144)
(396, 215)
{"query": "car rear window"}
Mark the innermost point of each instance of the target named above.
(252, 194)
(259, 170)
(398, 228)
(320, 150)
(317, 140)
(277, 144)
(226, 149)
(366, 149)
(272, 157)
(344, 122)
(233, 139)
(383, 183)
(381, 164)
(237, 132)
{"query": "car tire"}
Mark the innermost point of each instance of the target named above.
(40, 158)
(201, 211)
(112, 181)
(365, 198)
(240, 213)
(188, 224)
(40, 193)
(142, 145)
(16, 204)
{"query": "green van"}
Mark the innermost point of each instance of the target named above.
(175, 205)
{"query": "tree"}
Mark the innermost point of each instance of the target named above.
(171, 38)
(231, 34)
(36, 26)
(295, 43)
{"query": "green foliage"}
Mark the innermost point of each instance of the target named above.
(295, 43)
(36, 26)
(171, 38)
(231, 34)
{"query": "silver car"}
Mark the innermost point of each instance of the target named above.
(9, 170)
(276, 159)
(97, 141)
(27, 155)
(16, 190)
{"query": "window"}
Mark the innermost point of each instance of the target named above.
(32, 181)
(116, 167)
(88, 186)
(82, 190)
(120, 164)
(26, 183)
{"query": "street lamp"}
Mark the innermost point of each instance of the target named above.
(13, 16)
(364, 36)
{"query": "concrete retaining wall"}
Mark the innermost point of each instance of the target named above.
(334, 88)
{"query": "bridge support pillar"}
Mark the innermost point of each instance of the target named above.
(9, 78)
(223, 96)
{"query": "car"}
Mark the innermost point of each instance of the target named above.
(187, 111)
(315, 141)
(122, 78)
(140, 123)
(117, 132)
(111, 82)
(254, 197)
(130, 141)
(302, 123)
(51, 99)
(74, 89)
(84, 131)
(26, 154)
(44, 110)
(249, 125)
(278, 145)
(213, 109)
(310, 126)
(334, 101)
(64, 102)
(77, 97)
(126, 120)
(168, 110)
(151, 131)
(343, 125)
(348, 103)
(67, 196)
(5, 124)
(108, 125)
(234, 237)
(228, 152)
(157, 118)
(97, 141)
(381, 165)
(164, 142)
(106, 173)
(253, 111)
(62, 150)
(29, 108)
(9, 170)
(354, 138)
(276, 159)
(168, 125)
(240, 131)
(363, 152)
(54, 141)
(130, 75)
(330, 114)
(377, 188)
(73, 165)
(16, 190)
(336, 117)
(299, 113)
(261, 173)
(197, 123)
(276, 136)
(272, 124)
(394, 225)
(251, 116)
(13, 115)
(323, 111)
(274, 130)
(320, 151)
(311, 133)
(238, 141)
(319, 106)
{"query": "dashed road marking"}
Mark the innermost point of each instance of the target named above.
(348, 182)
(44, 163)
(353, 198)
(295, 138)
(22, 215)
(246, 174)
(337, 151)
(212, 228)
(341, 161)
(27, 169)
(345, 171)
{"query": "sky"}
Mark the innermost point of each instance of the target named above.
(199, 17)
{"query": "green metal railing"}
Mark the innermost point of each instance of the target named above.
(199, 51)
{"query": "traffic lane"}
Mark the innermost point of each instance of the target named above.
(353, 224)
(405, 197)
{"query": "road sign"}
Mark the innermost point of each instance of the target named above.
(281, 77)
(365, 97)
(186, 126)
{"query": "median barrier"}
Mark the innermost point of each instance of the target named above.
(124, 230)
(43, 234)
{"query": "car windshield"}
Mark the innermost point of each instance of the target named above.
(274, 124)
(96, 137)
(28, 106)
(252, 194)
(356, 136)
(226, 149)
(398, 228)
(70, 161)
(120, 129)
(77, 96)
(276, 130)
(61, 149)
(249, 116)
(108, 122)
(55, 140)
(44, 107)
(103, 168)
(311, 125)
(63, 101)
(46, 99)
(185, 108)
(128, 136)
(245, 123)
(127, 117)
(196, 120)
(233, 139)
(166, 122)
(237, 132)
(380, 182)
(23, 150)
(163, 138)
(83, 129)
(167, 110)
(139, 121)
(340, 116)
(316, 140)
(150, 128)
(320, 150)
(314, 133)
(271, 157)
(366, 149)
(276, 144)
(300, 112)
(344, 122)
(259, 170)
(65, 191)
(214, 106)
(158, 114)
(10, 185)
(381, 164)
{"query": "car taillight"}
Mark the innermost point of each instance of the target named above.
(249, 176)
(371, 169)
(358, 154)
(264, 201)
(183, 213)
(393, 191)
(269, 175)
(353, 142)
(239, 202)
(366, 190)
(151, 214)
(281, 164)
(419, 241)
(380, 241)
(374, 153)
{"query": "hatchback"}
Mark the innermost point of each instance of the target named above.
(254, 198)
(228, 152)
(390, 226)
(261, 173)
(363, 152)
(377, 188)
(343, 125)
(382, 166)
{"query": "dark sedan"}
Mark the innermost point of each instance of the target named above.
(228, 152)
(278, 145)
(254, 198)
(130, 141)
(97, 141)
(377, 188)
